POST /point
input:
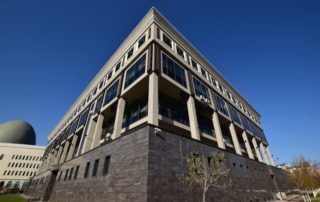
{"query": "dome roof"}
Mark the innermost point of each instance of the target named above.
(17, 132)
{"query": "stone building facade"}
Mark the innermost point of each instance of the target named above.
(156, 101)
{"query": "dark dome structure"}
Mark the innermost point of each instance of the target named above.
(17, 132)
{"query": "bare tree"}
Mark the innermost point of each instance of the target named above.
(305, 175)
(206, 172)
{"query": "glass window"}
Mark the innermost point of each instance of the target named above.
(98, 105)
(118, 66)
(234, 115)
(221, 105)
(111, 93)
(167, 40)
(109, 75)
(66, 175)
(87, 170)
(194, 64)
(201, 89)
(141, 41)
(220, 87)
(95, 167)
(203, 72)
(245, 122)
(100, 85)
(71, 172)
(135, 111)
(180, 52)
(130, 53)
(76, 172)
(83, 118)
(173, 70)
(158, 33)
(135, 71)
(74, 126)
(106, 165)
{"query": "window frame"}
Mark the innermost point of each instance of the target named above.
(195, 90)
(126, 88)
(185, 88)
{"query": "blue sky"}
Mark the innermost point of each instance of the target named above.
(269, 50)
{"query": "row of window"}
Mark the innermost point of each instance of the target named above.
(23, 165)
(18, 173)
(209, 77)
(72, 173)
(132, 74)
(23, 157)
(178, 74)
(109, 75)
(26, 157)
(41, 180)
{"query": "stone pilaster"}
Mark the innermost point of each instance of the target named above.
(194, 127)
(270, 156)
(153, 101)
(235, 139)
(64, 152)
(72, 147)
(247, 143)
(119, 118)
(255, 144)
(217, 130)
(97, 132)
(264, 154)
(90, 135)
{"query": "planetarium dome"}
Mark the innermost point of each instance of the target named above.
(17, 132)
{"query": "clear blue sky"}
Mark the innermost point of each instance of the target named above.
(269, 50)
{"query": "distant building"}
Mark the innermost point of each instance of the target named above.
(154, 102)
(19, 157)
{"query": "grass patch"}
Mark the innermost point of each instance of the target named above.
(12, 198)
(317, 199)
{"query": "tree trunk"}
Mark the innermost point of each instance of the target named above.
(204, 196)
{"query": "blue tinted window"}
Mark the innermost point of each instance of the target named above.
(234, 115)
(135, 71)
(173, 70)
(98, 105)
(74, 126)
(200, 88)
(221, 105)
(245, 122)
(83, 118)
(111, 93)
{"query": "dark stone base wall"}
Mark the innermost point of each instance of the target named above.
(126, 179)
(144, 167)
(251, 180)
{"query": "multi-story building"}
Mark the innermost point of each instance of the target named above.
(155, 101)
(20, 158)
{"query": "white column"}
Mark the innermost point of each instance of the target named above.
(247, 143)
(194, 127)
(90, 135)
(97, 132)
(56, 160)
(72, 147)
(153, 105)
(119, 118)
(264, 154)
(64, 152)
(235, 139)
(217, 130)
(270, 156)
(255, 145)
